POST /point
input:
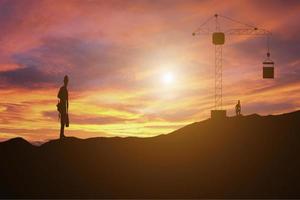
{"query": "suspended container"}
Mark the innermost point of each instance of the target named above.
(268, 68)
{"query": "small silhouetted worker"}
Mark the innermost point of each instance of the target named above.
(238, 108)
(63, 106)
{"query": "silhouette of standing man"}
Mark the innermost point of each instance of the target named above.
(63, 106)
(238, 108)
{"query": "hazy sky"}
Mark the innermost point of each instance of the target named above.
(134, 67)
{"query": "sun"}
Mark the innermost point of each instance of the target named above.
(168, 78)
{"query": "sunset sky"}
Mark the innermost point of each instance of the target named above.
(134, 67)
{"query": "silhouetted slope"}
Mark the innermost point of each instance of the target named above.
(15, 142)
(250, 156)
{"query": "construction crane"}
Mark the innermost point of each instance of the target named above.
(218, 40)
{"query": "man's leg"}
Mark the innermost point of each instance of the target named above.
(62, 127)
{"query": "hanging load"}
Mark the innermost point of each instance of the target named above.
(268, 68)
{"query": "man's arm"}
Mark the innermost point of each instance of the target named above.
(67, 99)
(59, 93)
(67, 105)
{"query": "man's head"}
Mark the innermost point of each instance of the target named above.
(66, 80)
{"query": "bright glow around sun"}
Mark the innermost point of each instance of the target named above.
(168, 78)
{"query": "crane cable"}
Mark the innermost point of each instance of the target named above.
(268, 47)
(236, 21)
(204, 23)
(249, 25)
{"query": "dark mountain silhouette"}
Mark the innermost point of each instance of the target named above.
(238, 157)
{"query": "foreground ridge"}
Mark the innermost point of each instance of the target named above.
(245, 157)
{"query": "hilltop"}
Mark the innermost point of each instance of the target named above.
(237, 157)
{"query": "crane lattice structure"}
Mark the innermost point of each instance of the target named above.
(218, 39)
